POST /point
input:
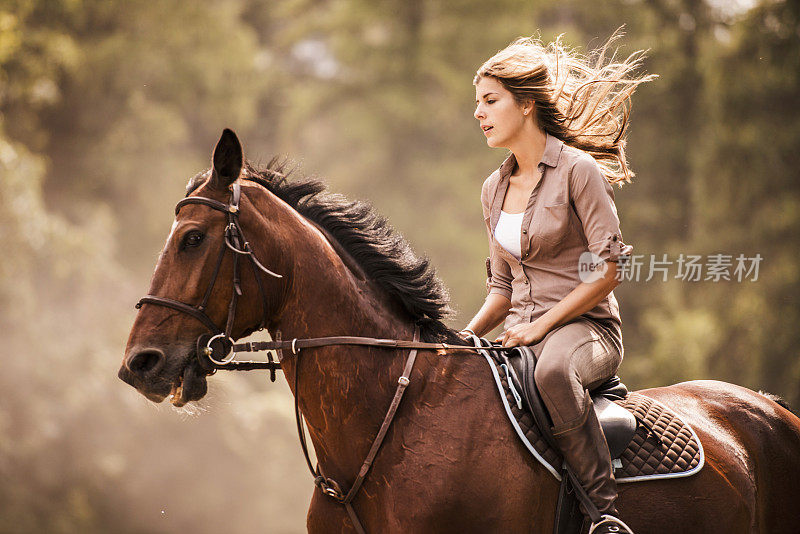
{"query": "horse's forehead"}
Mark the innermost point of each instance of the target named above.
(172, 230)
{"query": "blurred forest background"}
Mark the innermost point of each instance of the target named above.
(107, 108)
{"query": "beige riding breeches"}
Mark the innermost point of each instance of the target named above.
(572, 358)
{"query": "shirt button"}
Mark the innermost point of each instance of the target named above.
(524, 231)
(526, 281)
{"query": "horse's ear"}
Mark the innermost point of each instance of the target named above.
(227, 161)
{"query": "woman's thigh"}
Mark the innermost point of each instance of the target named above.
(578, 355)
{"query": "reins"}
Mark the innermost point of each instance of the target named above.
(218, 350)
(296, 344)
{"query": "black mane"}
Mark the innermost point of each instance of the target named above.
(385, 257)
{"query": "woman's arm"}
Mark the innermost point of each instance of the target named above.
(492, 313)
(498, 302)
(593, 200)
(583, 298)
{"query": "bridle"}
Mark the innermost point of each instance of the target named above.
(220, 341)
(217, 350)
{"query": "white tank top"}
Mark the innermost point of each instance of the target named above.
(507, 232)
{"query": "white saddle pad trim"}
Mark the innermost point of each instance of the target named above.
(513, 420)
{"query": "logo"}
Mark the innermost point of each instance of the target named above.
(591, 267)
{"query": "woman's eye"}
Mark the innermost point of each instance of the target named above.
(192, 239)
(491, 101)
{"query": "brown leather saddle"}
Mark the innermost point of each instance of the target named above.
(618, 424)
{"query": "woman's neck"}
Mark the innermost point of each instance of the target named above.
(528, 148)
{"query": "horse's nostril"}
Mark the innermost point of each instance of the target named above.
(145, 361)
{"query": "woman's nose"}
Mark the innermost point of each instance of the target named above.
(479, 114)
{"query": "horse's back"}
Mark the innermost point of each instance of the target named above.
(751, 443)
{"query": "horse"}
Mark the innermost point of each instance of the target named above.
(450, 461)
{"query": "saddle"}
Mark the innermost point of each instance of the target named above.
(618, 424)
(646, 440)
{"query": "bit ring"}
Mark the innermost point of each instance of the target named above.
(210, 352)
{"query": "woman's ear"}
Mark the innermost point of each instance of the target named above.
(227, 161)
(528, 107)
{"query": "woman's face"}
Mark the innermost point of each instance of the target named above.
(500, 116)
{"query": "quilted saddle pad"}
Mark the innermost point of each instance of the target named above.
(663, 446)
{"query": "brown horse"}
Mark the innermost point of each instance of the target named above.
(450, 462)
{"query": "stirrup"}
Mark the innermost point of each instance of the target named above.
(611, 521)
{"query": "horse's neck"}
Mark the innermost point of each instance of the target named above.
(327, 298)
(344, 390)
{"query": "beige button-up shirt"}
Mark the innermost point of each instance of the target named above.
(570, 211)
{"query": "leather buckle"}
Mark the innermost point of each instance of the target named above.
(329, 487)
(331, 492)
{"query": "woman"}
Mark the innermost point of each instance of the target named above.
(554, 233)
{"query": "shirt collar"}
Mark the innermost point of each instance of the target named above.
(552, 150)
(550, 157)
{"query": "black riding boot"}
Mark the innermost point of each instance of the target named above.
(584, 448)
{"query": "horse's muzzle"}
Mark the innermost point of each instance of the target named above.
(145, 362)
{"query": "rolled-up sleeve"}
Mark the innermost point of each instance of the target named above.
(500, 279)
(593, 198)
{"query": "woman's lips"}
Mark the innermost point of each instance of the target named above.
(487, 129)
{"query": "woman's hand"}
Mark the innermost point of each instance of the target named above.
(465, 334)
(523, 335)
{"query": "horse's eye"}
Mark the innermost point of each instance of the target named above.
(192, 239)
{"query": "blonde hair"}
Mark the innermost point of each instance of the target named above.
(583, 100)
